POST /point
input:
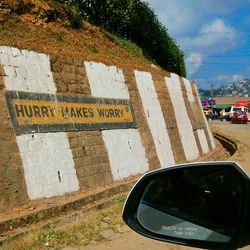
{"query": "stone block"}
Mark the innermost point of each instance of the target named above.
(21, 72)
(76, 142)
(15, 52)
(5, 60)
(99, 149)
(72, 88)
(15, 83)
(79, 152)
(6, 50)
(10, 71)
(83, 161)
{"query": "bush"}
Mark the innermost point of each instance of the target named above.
(74, 16)
(136, 21)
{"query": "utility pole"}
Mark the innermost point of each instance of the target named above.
(211, 98)
(212, 90)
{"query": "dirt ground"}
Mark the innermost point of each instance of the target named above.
(129, 240)
(239, 133)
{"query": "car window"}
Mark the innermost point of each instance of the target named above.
(204, 199)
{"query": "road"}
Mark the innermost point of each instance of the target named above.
(128, 240)
(241, 134)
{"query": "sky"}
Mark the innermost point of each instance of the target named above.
(214, 36)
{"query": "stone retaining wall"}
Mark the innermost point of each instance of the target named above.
(164, 125)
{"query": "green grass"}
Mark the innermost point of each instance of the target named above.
(77, 234)
(130, 46)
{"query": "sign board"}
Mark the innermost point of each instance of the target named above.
(206, 103)
(241, 103)
(31, 112)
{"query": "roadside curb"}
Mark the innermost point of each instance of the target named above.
(59, 215)
(229, 144)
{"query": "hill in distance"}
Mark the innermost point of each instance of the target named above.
(236, 89)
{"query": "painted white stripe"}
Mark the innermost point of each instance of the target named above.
(183, 122)
(48, 164)
(200, 132)
(26, 71)
(155, 119)
(205, 120)
(47, 158)
(106, 81)
(203, 140)
(126, 153)
(188, 90)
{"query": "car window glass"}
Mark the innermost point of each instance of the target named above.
(201, 204)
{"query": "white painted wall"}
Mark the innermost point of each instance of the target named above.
(126, 153)
(48, 164)
(183, 122)
(189, 90)
(26, 71)
(45, 156)
(205, 120)
(203, 140)
(47, 159)
(106, 81)
(155, 118)
(200, 132)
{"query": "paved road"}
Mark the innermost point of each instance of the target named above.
(241, 134)
(128, 240)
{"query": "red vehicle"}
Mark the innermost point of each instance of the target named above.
(239, 117)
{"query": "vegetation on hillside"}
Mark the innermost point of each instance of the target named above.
(234, 89)
(136, 21)
(46, 26)
(125, 32)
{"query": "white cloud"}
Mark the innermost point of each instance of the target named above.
(218, 80)
(227, 78)
(186, 16)
(179, 17)
(201, 83)
(215, 33)
(236, 78)
(205, 30)
(193, 62)
(216, 36)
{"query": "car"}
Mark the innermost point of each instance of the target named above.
(225, 117)
(237, 108)
(239, 117)
(205, 205)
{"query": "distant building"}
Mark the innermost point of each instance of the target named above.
(228, 101)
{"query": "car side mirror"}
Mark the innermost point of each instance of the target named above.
(201, 205)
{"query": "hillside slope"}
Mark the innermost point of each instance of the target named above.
(46, 26)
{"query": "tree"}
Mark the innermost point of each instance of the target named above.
(146, 30)
(136, 21)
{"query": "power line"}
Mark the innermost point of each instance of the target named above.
(217, 56)
(217, 63)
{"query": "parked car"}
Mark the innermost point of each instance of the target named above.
(239, 117)
(205, 205)
(225, 117)
(234, 109)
